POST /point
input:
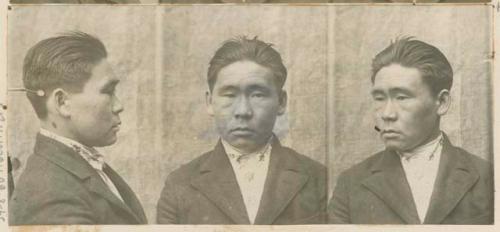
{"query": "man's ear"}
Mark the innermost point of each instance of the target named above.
(208, 101)
(443, 101)
(59, 100)
(283, 98)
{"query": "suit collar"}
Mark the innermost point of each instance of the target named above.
(63, 156)
(218, 182)
(285, 178)
(388, 182)
(66, 158)
(133, 205)
(456, 176)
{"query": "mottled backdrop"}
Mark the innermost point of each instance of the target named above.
(462, 33)
(162, 54)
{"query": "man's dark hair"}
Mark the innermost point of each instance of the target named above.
(240, 49)
(65, 61)
(435, 69)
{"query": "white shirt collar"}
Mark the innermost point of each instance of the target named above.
(91, 155)
(64, 140)
(251, 173)
(421, 166)
(234, 153)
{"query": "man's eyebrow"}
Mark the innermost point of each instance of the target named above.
(400, 90)
(377, 91)
(227, 88)
(394, 90)
(259, 87)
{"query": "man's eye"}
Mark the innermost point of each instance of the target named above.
(230, 95)
(378, 98)
(401, 97)
(258, 95)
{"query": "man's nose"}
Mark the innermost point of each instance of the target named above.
(243, 108)
(389, 111)
(117, 105)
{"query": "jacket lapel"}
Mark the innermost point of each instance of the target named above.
(63, 156)
(66, 158)
(97, 186)
(388, 182)
(134, 205)
(455, 177)
(284, 180)
(218, 183)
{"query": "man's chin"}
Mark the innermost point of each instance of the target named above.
(394, 146)
(105, 142)
(245, 145)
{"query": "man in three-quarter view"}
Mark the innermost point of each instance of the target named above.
(420, 178)
(249, 177)
(71, 87)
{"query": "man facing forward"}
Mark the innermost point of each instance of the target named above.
(249, 178)
(71, 86)
(420, 178)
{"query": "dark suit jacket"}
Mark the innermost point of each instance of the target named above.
(59, 187)
(375, 191)
(205, 191)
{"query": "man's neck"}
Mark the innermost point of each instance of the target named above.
(432, 137)
(58, 130)
(259, 149)
(428, 147)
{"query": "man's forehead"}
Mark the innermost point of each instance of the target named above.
(244, 73)
(397, 76)
(243, 67)
(104, 72)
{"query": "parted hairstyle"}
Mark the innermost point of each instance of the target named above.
(240, 49)
(65, 61)
(433, 66)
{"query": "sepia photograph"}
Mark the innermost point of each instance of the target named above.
(166, 78)
(412, 121)
(248, 114)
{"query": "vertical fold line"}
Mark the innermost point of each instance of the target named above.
(330, 98)
(158, 79)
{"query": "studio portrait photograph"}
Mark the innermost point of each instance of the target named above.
(250, 114)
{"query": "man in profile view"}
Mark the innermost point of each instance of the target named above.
(71, 87)
(249, 177)
(421, 177)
